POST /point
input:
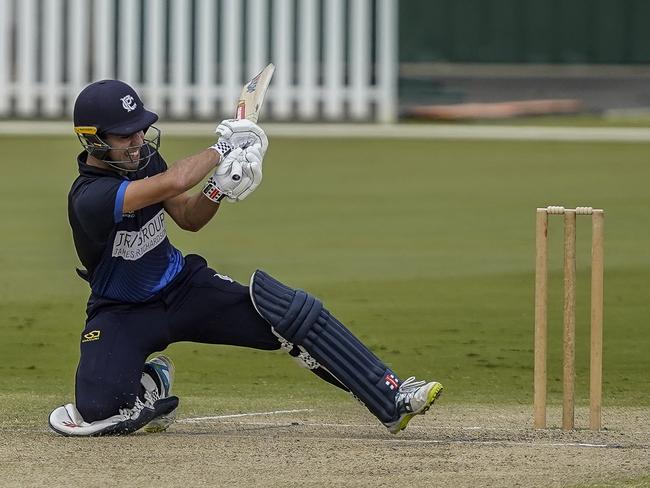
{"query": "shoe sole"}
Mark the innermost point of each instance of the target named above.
(161, 423)
(432, 396)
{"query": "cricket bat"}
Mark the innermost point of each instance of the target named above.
(252, 94)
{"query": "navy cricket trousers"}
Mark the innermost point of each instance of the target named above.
(197, 306)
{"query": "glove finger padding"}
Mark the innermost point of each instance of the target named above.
(227, 179)
(243, 181)
(242, 188)
(253, 174)
(225, 165)
(254, 154)
(236, 173)
(242, 133)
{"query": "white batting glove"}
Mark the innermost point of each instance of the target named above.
(251, 174)
(242, 133)
(226, 178)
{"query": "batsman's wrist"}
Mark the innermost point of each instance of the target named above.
(213, 192)
(223, 148)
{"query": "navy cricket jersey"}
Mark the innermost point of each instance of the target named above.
(128, 256)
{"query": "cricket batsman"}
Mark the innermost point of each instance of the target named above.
(145, 294)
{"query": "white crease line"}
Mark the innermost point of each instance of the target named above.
(468, 441)
(308, 424)
(235, 415)
(551, 429)
(507, 443)
(451, 441)
(427, 428)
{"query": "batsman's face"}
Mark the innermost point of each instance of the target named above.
(126, 149)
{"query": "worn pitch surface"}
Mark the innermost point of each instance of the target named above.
(452, 446)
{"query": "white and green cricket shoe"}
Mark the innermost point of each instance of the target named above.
(157, 379)
(413, 398)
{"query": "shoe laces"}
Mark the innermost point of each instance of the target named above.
(133, 412)
(410, 385)
(150, 398)
(406, 393)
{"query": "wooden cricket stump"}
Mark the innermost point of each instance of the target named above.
(541, 306)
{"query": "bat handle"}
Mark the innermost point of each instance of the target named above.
(241, 110)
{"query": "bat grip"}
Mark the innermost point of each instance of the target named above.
(241, 110)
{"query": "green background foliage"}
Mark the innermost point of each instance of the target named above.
(525, 31)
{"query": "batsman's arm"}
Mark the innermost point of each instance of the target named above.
(236, 177)
(191, 212)
(179, 178)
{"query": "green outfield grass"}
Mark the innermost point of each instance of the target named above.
(642, 482)
(424, 248)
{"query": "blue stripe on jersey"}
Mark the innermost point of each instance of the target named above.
(176, 263)
(137, 281)
(119, 202)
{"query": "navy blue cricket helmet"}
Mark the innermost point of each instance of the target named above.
(113, 107)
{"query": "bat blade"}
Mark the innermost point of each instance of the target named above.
(252, 94)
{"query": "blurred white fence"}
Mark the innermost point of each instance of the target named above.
(335, 59)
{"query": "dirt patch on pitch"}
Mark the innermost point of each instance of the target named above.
(452, 446)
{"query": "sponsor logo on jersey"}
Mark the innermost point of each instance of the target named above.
(132, 245)
(93, 335)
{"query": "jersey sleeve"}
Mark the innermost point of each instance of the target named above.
(99, 206)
